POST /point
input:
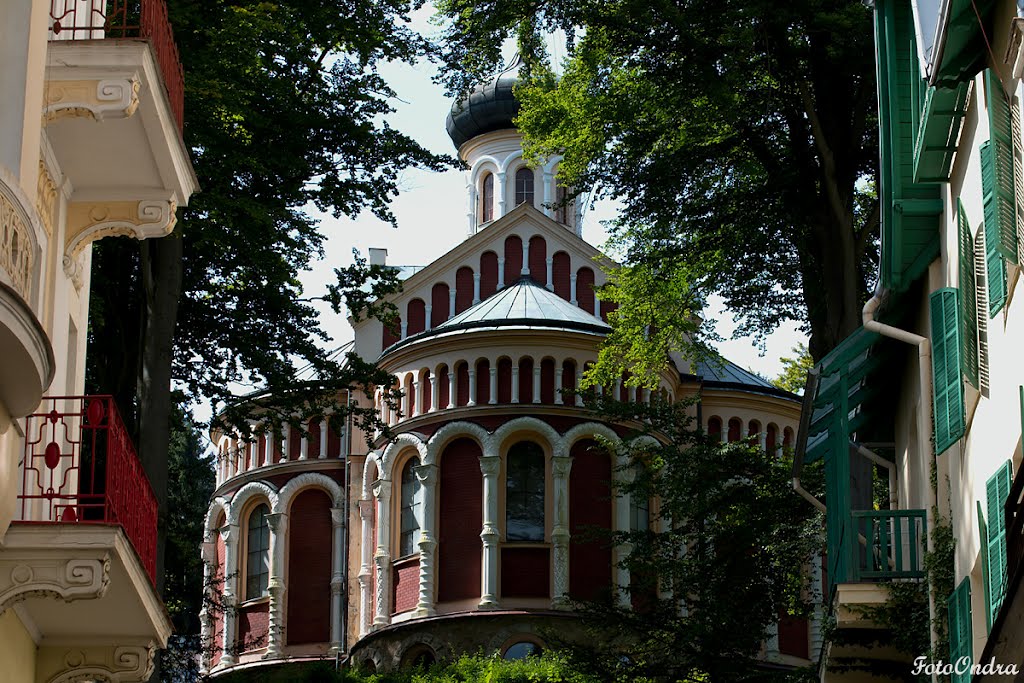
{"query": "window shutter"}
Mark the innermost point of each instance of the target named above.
(997, 174)
(968, 299)
(959, 615)
(947, 386)
(983, 535)
(981, 314)
(997, 488)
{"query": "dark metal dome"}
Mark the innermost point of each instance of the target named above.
(488, 108)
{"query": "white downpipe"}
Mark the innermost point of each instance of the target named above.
(924, 426)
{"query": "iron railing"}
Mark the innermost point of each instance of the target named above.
(113, 19)
(80, 467)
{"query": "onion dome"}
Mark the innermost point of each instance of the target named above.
(487, 108)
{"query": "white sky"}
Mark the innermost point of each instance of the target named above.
(431, 213)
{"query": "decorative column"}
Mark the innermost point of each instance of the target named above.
(536, 382)
(560, 466)
(365, 566)
(622, 509)
(285, 434)
(451, 302)
(337, 576)
(229, 534)
(451, 387)
(501, 272)
(278, 522)
(549, 179)
(618, 390)
(472, 385)
(550, 286)
(427, 475)
(304, 444)
(572, 290)
(405, 403)
(268, 447)
(500, 190)
(493, 398)
(579, 382)
(433, 393)
(323, 437)
(382, 557)
(559, 383)
(490, 465)
(632, 394)
(525, 270)
(405, 329)
(476, 288)
(418, 405)
(515, 383)
(470, 204)
(428, 311)
(209, 555)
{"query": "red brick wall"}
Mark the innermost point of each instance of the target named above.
(590, 506)
(410, 391)
(443, 388)
(416, 314)
(504, 380)
(525, 572)
(439, 304)
(526, 380)
(513, 259)
(425, 386)
(253, 625)
(405, 585)
(310, 534)
(547, 381)
(539, 259)
(585, 289)
(488, 274)
(463, 289)
(294, 443)
(561, 269)
(460, 512)
(261, 450)
(483, 382)
(793, 636)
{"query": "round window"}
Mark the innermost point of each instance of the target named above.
(522, 650)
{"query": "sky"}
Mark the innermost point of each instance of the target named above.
(431, 216)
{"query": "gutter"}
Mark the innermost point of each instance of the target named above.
(939, 45)
(924, 422)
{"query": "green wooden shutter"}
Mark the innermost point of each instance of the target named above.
(968, 299)
(997, 488)
(983, 535)
(947, 386)
(997, 175)
(960, 635)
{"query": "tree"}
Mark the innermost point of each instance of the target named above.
(739, 136)
(284, 111)
(794, 370)
(724, 554)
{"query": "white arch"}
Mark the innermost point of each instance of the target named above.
(401, 441)
(481, 165)
(451, 431)
(218, 504)
(589, 429)
(549, 165)
(371, 459)
(504, 165)
(307, 480)
(242, 496)
(531, 424)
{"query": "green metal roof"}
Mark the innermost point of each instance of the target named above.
(962, 52)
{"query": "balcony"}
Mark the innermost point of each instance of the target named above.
(884, 545)
(80, 467)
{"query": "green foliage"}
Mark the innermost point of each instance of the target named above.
(740, 137)
(941, 568)
(794, 370)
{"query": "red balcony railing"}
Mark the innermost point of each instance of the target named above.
(80, 467)
(146, 19)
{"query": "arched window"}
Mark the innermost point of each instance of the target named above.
(409, 535)
(257, 548)
(522, 650)
(487, 199)
(524, 186)
(524, 493)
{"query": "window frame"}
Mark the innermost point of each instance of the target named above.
(487, 198)
(415, 509)
(545, 489)
(529, 194)
(248, 553)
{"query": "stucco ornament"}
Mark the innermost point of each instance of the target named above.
(64, 579)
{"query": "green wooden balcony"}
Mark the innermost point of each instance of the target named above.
(880, 545)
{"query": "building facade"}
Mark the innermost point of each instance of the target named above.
(90, 146)
(929, 388)
(465, 531)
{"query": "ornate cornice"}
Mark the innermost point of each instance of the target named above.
(64, 579)
(90, 221)
(116, 98)
(126, 664)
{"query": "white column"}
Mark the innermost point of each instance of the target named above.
(451, 302)
(490, 465)
(304, 443)
(470, 204)
(551, 264)
(365, 567)
(536, 381)
(428, 312)
(515, 383)
(209, 554)
(632, 394)
(572, 290)
(382, 557)
(268, 441)
(230, 595)
(323, 437)
(451, 387)
(472, 385)
(500, 189)
(433, 392)
(405, 329)
(427, 475)
(771, 646)
(278, 522)
(559, 377)
(622, 508)
(285, 434)
(476, 288)
(418, 409)
(646, 396)
(494, 385)
(618, 390)
(406, 394)
(560, 466)
(579, 381)
(525, 270)
(337, 575)
(549, 179)
(501, 272)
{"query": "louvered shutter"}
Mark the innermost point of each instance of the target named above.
(997, 488)
(947, 386)
(994, 266)
(959, 616)
(968, 299)
(981, 315)
(983, 535)
(997, 175)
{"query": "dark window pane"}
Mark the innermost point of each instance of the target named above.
(523, 650)
(409, 535)
(524, 493)
(524, 187)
